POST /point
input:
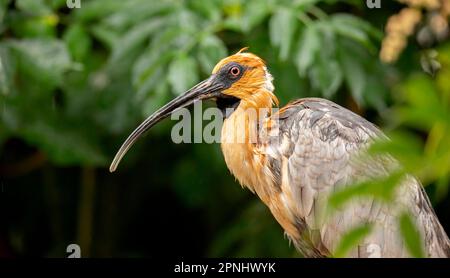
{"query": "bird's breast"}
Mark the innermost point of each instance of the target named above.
(249, 163)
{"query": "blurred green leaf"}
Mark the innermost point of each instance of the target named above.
(411, 236)
(326, 76)
(151, 65)
(157, 99)
(49, 57)
(308, 47)
(105, 35)
(35, 7)
(154, 57)
(3, 5)
(208, 9)
(424, 108)
(210, 51)
(57, 4)
(135, 15)
(282, 27)
(7, 69)
(92, 10)
(380, 188)
(133, 38)
(78, 41)
(183, 74)
(354, 73)
(305, 3)
(255, 11)
(404, 147)
(351, 239)
(355, 29)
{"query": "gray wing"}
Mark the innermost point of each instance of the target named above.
(321, 142)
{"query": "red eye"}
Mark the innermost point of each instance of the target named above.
(235, 71)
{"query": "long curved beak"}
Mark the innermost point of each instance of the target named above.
(208, 88)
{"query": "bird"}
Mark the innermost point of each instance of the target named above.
(295, 157)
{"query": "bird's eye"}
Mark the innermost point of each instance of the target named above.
(235, 71)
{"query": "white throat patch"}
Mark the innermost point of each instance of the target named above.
(268, 85)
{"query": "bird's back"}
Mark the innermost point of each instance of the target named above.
(319, 145)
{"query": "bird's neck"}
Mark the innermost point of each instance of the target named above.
(241, 140)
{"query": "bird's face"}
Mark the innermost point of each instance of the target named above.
(244, 74)
(238, 76)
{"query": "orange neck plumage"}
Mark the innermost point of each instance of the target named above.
(248, 160)
(240, 145)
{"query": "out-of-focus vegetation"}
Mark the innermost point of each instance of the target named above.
(75, 82)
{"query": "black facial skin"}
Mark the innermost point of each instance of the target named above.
(227, 78)
(225, 102)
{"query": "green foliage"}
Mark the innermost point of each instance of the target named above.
(381, 188)
(163, 48)
(350, 239)
(411, 236)
(282, 29)
(182, 74)
(425, 107)
(73, 83)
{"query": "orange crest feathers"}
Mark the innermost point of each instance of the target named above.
(245, 58)
(242, 50)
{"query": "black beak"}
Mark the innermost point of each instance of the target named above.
(206, 89)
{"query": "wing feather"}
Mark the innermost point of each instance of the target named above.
(320, 140)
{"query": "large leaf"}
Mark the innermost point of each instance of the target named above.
(353, 28)
(151, 65)
(405, 147)
(308, 47)
(36, 7)
(131, 16)
(49, 57)
(209, 9)
(380, 188)
(157, 99)
(183, 73)
(411, 236)
(358, 23)
(105, 35)
(351, 240)
(282, 28)
(255, 11)
(78, 41)
(424, 108)
(305, 3)
(211, 50)
(326, 76)
(354, 73)
(134, 38)
(98, 9)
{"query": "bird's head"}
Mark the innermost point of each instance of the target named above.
(241, 77)
(244, 74)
